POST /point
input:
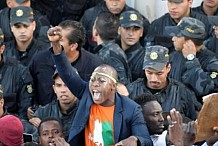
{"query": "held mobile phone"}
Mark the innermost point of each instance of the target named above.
(27, 137)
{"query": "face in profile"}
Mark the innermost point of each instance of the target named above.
(48, 131)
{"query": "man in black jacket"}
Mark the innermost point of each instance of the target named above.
(115, 7)
(169, 93)
(16, 82)
(177, 10)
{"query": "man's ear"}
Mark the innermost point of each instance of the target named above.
(9, 3)
(74, 46)
(2, 48)
(118, 31)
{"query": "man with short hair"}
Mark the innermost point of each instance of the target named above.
(169, 93)
(64, 108)
(115, 7)
(207, 7)
(153, 116)
(130, 31)
(50, 133)
(105, 31)
(23, 26)
(198, 66)
(178, 9)
(43, 67)
(98, 97)
(42, 23)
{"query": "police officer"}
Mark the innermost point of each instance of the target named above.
(192, 63)
(130, 31)
(169, 93)
(177, 10)
(115, 7)
(42, 23)
(17, 83)
(104, 32)
(23, 26)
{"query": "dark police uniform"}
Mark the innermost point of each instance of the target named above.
(113, 55)
(24, 57)
(58, 10)
(42, 68)
(135, 56)
(199, 74)
(41, 24)
(18, 86)
(174, 95)
(156, 32)
(89, 17)
(200, 10)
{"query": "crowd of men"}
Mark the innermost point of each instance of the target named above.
(97, 72)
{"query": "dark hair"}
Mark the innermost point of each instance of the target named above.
(49, 119)
(77, 33)
(107, 25)
(144, 98)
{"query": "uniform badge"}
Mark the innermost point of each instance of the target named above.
(2, 36)
(121, 17)
(29, 88)
(213, 75)
(153, 55)
(166, 55)
(133, 17)
(190, 30)
(19, 13)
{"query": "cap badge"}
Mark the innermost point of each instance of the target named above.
(166, 55)
(213, 75)
(19, 13)
(133, 17)
(190, 30)
(29, 88)
(153, 55)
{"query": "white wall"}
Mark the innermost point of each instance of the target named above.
(153, 9)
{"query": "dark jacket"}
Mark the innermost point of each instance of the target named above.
(42, 68)
(41, 22)
(200, 74)
(135, 56)
(174, 95)
(200, 10)
(113, 55)
(58, 10)
(24, 57)
(53, 110)
(18, 86)
(89, 17)
(156, 33)
(212, 44)
(128, 117)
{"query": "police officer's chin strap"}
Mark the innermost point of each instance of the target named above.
(104, 74)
